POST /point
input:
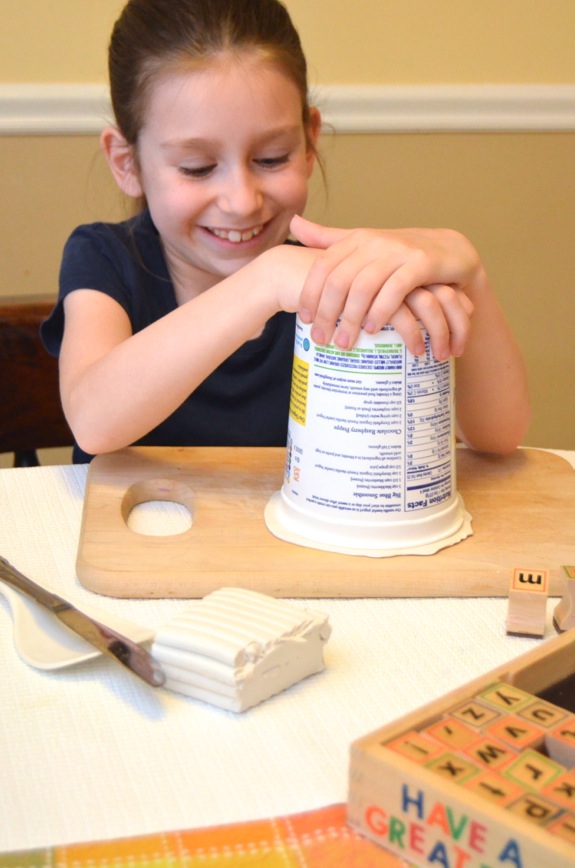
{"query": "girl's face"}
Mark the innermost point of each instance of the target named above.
(223, 162)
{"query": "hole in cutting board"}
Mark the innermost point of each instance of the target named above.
(142, 501)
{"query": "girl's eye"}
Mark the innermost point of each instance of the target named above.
(196, 171)
(272, 162)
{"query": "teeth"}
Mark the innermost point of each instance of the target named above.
(235, 236)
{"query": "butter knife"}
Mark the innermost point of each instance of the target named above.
(105, 639)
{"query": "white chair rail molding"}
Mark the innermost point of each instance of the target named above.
(80, 109)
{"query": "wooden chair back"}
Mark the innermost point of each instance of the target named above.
(31, 415)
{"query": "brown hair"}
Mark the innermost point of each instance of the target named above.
(152, 36)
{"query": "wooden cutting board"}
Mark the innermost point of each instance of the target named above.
(522, 506)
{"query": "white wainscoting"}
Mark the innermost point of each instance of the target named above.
(80, 109)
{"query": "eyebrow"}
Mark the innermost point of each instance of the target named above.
(291, 132)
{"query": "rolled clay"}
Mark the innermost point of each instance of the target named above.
(235, 648)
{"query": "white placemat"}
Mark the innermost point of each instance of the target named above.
(92, 753)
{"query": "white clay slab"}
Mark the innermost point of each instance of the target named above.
(235, 648)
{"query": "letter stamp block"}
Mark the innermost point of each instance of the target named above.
(564, 612)
(516, 732)
(527, 609)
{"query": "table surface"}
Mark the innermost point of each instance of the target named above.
(91, 753)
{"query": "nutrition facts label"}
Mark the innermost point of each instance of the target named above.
(370, 428)
(428, 433)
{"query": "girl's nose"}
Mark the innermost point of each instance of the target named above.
(241, 194)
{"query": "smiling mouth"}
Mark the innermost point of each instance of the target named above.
(236, 236)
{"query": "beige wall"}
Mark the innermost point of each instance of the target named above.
(369, 41)
(512, 193)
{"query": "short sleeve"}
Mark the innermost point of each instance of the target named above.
(122, 260)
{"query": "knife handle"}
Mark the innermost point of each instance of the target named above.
(20, 582)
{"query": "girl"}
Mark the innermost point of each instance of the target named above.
(176, 327)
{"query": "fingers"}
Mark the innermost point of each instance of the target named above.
(365, 279)
(407, 326)
(348, 290)
(313, 235)
(444, 312)
(343, 283)
(456, 311)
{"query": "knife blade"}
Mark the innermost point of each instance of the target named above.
(105, 639)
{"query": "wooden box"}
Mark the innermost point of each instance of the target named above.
(483, 777)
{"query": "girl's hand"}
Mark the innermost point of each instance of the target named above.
(367, 278)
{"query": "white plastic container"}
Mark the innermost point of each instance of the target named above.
(370, 464)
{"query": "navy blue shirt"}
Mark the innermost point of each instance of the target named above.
(244, 402)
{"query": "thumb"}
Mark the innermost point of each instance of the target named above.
(313, 235)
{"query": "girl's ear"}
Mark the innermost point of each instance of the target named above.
(122, 162)
(313, 132)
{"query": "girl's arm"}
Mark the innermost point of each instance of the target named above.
(492, 394)
(372, 277)
(116, 386)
